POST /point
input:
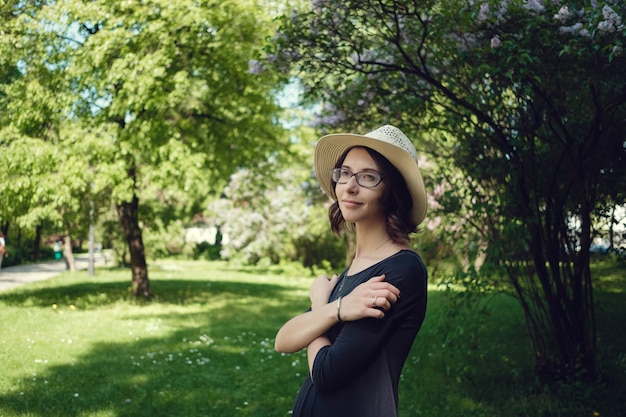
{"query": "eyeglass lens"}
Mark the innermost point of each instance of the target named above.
(364, 179)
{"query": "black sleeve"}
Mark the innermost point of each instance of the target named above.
(359, 342)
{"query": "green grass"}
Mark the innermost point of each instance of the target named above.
(78, 346)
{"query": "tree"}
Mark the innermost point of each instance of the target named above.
(277, 216)
(46, 162)
(169, 83)
(525, 96)
(52, 182)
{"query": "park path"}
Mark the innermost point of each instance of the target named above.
(16, 276)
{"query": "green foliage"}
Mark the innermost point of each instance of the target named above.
(273, 220)
(207, 251)
(464, 313)
(123, 102)
(164, 241)
(276, 212)
(519, 103)
(318, 246)
(13, 255)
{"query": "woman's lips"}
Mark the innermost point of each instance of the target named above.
(350, 204)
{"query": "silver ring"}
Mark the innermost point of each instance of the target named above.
(374, 301)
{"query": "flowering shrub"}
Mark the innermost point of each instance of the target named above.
(520, 101)
(272, 218)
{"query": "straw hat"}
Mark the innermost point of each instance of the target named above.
(387, 140)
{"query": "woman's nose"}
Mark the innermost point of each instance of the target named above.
(352, 184)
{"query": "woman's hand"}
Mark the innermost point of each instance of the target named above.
(320, 290)
(370, 299)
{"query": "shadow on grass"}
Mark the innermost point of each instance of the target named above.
(185, 375)
(93, 295)
(223, 365)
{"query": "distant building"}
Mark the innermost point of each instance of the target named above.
(206, 234)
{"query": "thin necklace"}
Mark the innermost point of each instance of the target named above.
(346, 274)
(379, 246)
(343, 279)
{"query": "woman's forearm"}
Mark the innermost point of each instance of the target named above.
(302, 330)
(314, 347)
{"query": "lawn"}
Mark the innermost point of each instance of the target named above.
(77, 346)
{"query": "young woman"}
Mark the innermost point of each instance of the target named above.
(361, 324)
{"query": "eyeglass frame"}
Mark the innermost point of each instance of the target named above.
(356, 175)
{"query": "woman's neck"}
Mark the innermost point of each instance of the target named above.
(370, 249)
(371, 241)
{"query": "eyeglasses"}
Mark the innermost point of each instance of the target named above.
(365, 179)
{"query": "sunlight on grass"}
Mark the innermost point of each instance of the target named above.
(80, 346)
(613, 279)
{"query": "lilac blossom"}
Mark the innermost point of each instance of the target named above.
(483, 15)
(611, 22)
(255, 221)
(433, 223)
(255, 67)
(575, 29)
(535, 6)
(610, 15)
(563, 14)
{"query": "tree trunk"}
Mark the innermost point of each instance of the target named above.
(37, 242)
(557, 299)
(70, 262)
(129, 219)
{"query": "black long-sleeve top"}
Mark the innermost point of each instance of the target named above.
(358, 374)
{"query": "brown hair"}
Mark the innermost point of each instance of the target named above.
(397, 201)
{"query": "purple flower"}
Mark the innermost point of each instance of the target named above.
(255, 67)
(562, 15)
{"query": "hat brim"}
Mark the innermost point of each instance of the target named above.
(330, 148)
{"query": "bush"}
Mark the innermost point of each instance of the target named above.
(16, 255)
(205, 250)
(277, 222)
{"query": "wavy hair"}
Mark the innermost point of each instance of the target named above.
(397, 201)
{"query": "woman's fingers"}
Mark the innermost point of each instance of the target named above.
(378, 283)
(376, 287)
(370, 299)
(377, 278)
(320, 290)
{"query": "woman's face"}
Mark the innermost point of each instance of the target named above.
(359, 204)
